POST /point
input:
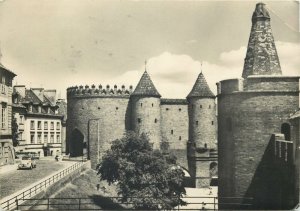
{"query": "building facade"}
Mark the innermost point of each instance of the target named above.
(98, 116)
(253, 113)
(39, 123)
(6, 145)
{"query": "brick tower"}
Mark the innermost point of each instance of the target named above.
(145, 103)
(250, 110)
(202, 130)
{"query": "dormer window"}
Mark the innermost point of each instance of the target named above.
(48, 110)
(56, 111)
(30, 108)
(39, 109)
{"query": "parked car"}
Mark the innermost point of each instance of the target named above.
(27, 163)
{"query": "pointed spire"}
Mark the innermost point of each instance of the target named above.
(261, 57)
(201, 88)
(146, 87)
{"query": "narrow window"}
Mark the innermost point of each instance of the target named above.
(57, 125)
(212, 122)
(32, 139)
(39, 125)
(152, 104)
(98, 108)
(167, 109)
(45, 125)
(31, 125)
(52, 125)
(200, 106)
(179, 137)
(172, 132)
(155, 120)
(117, 108)
(196, 122)
(209, 106)
(141, 104)
(205, 145)
(179, 109)
(139, 120)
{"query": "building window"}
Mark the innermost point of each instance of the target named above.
(21, 119)
(39, 138)
(32, 125)
(200, 106)
(155, 120)
(167, 109)
(152, 104)
(139, 120)
(179, 109)
(4, 115)
(172, 132)
(39, 109)
(141, 104)
(58, 138)
(45, 125)
(209, 106)
(212, 122)
(197, 122)
(52, 125)
(32, 138)
(48, 110)
(46, 138)
(117, 108)
(30, 108)
(39, 125)
(57, 125)
(179, 137)
(52, 138)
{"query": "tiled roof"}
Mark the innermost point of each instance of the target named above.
(11, 72)
(31, 97)
(165, 101)
(201, 88)
(146, 87)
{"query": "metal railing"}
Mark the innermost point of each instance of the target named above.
(17, 200)
(113, 203)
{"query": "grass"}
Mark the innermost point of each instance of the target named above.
(85, 187)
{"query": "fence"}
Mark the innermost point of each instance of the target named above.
(113, 203)
(17, 200)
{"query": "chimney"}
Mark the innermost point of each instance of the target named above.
(20, 89)
(51, 95)
(39, 92)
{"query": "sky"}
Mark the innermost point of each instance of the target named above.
(61, 43)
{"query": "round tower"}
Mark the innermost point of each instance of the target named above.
(202, 132)
(145, 102)
(202, 115)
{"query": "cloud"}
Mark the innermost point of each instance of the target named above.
(174, 75)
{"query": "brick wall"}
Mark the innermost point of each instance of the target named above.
(246, 121)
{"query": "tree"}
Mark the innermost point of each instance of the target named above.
(148, 179)
(15, 132)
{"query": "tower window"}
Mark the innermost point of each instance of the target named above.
(200, 106)
(117, 108)
(212, 122)
(98, 108)
(172, 132)
(209, 106)
(179, 109)
(197, 122)
(141, 104)
(167, 109)
(179, 137)
(205, 145)
(155, 120)
(139, 120)
(152, 104)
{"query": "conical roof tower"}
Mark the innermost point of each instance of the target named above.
(145, 87)
(201, 88)
(261, 57)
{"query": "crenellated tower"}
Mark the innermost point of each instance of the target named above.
(146, 117)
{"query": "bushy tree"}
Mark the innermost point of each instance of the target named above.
(15, 132)
(148, 179)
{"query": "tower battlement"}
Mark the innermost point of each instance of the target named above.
(100, 91)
